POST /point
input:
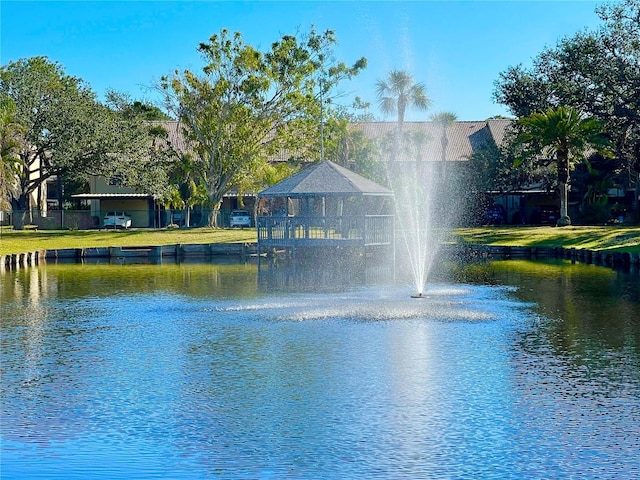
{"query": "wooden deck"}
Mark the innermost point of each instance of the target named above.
(325, 231)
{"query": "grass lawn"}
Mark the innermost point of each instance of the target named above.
(611, 238)
(19, 241)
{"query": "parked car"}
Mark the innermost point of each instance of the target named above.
(176, 218)
(117, 219)
(549, 214)
(240, 219)
(495, 215)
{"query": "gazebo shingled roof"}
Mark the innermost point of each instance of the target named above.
(325, 179)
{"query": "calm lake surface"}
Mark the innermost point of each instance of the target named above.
(508, 369)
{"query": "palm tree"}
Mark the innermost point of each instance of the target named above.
(10, 142)
(563, 135)
(444, 120)
(397, 93)
(186, 188)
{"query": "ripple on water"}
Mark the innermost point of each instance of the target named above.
(467, 382)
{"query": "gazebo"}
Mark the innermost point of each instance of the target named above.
(325, 205)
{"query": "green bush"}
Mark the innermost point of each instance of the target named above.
(594, 214)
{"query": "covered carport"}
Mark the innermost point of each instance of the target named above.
(141, 207)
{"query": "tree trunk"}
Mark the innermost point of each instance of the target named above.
(564, 205)
(635, 204)
(444, 142)
(563, 180)
(213, 216)
(19, 207)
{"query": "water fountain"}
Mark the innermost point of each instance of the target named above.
(420, 220)
(413, 208)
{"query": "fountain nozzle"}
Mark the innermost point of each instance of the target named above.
(419, 295)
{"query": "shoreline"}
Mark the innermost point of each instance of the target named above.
(20, 260)
(616, 260)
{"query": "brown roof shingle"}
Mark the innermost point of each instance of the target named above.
(464, 137)
(327, 179)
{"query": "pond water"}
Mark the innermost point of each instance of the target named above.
(506, 369)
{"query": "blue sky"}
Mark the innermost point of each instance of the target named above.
(456, 48)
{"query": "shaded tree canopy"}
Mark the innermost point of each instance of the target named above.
(65, 131)
(247, 104)
(564, 136)
(597, 72)
(129, 108)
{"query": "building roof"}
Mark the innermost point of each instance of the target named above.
(325, 179)
(464, 138)
(174, 134)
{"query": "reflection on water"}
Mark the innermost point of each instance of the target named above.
(315, 272)
(509, 369)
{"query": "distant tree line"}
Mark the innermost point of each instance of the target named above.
(577, 121)
(243, 107)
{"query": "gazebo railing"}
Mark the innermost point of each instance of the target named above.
(294, 230)
(379, 229)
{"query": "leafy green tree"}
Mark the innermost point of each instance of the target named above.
(597, 72)
(595, 178)
(129, 108)
(66, 132)
(146, 111)
(347, 145)
(361, 112)
(247, 104)
(499, 168)
(396, 93)
(563, 136)
(148, 169)
(364, 156)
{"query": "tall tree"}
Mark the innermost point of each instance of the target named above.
(563, 136)
(247, 104)
(66, 132)
(185, 187)
(444, 120)
(148, 169)
(398, 92)
(10, 141)
(597, 72)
